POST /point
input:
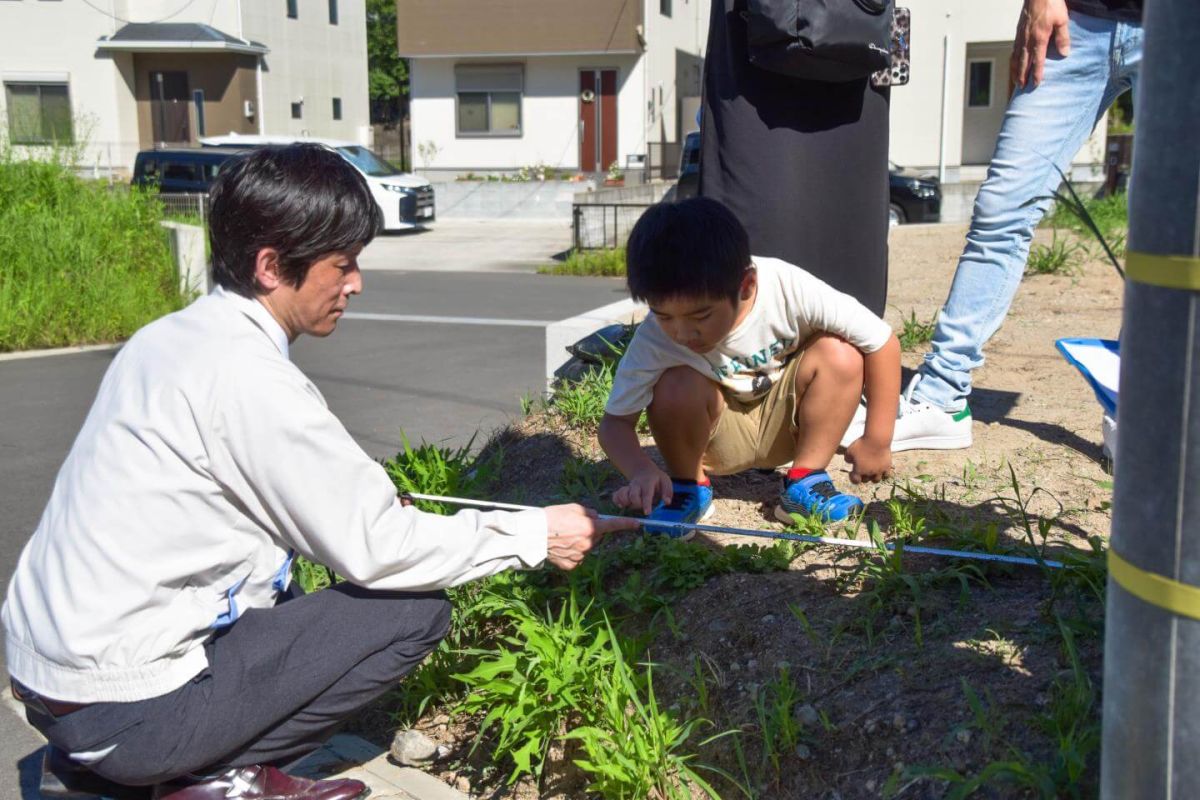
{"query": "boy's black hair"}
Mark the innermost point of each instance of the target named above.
(303, 200)
(696, 248)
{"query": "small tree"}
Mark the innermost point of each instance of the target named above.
(387, 72)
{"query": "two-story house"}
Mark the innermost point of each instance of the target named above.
(501, 84)
(497, 85)
(117, 76)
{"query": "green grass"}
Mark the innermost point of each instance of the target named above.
(1060, 257)
(915, 333)
(608, 263)
(447, 471)
(1110, 213)
(79, 262)
(581, 403)
(778, 730)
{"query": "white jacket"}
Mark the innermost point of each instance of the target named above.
(207, 459)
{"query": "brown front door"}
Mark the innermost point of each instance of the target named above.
(597, 119)
(169, 99)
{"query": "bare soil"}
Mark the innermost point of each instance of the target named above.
(887, 682)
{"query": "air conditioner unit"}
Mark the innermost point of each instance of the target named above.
(248, 108)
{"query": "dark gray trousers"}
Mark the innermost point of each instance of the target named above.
(280, 681)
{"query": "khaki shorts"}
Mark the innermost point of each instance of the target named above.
(759, 434)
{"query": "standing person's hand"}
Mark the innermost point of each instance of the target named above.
(1041, 21)
(642, 488)
(574, 530)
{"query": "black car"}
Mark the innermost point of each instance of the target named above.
(912, 196)
(182, 170)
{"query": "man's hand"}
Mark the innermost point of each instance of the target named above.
(642, 489)
(869, 460)
(1041, 21)
(574, 530)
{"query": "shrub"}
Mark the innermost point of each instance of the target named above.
(608, 263)
(80, 262)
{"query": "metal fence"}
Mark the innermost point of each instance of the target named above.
(599, 225)
(191, 208)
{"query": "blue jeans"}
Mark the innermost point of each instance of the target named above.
(1043, 128)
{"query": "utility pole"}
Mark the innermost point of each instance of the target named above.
(1151, 741)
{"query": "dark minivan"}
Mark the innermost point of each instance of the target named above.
(182, 170)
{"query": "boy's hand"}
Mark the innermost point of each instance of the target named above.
(642, 489)
(869, 460)
(574, 530)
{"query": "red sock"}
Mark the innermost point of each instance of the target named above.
(797, 473)
(690, 482)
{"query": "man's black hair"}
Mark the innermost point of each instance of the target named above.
(303, 200)
(696, 248)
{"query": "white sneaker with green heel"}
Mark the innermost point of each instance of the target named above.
(920, 425)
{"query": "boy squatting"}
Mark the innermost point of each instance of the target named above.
(743, 362)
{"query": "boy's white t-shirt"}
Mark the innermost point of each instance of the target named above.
(791, 306)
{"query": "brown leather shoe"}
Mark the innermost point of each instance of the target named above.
(261, 783)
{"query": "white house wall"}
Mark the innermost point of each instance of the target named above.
(314, 61)
(917, 127)
(220, 14)
(549, 114)
(103, 106)
(687, 30)
(309, 58)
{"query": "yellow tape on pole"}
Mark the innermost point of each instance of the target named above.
(1157, 590)
(1171, 272)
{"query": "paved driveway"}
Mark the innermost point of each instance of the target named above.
(437, 354)
(470, 246)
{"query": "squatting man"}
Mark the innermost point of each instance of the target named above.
(151, 629)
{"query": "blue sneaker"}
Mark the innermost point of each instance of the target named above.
(690, 502)
(815, 494)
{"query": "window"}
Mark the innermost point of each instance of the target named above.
(297, 110)
(293, 11)
(664, 7)
(333, 12)
(337, 108)
(38, 113)
(173, 171)
(979, 84)
(489, 100)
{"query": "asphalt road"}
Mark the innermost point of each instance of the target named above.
(382, 373)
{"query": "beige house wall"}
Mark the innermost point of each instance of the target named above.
(518, 27)
(226, 80)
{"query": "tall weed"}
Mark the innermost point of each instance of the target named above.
(447, 471)
(543, 675)
(80, 262)
(635, 749)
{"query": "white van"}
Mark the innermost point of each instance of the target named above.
(406, 200)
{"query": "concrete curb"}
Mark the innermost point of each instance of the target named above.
(346, 756)
(59, 351)
(568, 331)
